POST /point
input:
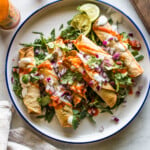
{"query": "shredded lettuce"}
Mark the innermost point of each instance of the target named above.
(93, 61)
(69, 77)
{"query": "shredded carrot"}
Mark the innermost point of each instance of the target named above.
(122, 70)
(43, 65)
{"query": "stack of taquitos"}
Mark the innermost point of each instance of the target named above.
(30, 91)
(62, 106)
(107, 93)
(78, 89)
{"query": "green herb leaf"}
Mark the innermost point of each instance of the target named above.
(75, 122)
(34, 69)
(70, 33)
(61, 26)
(34, 79)
(94, 61)
(16, 83)
(69, 77)
(53, 35)
(91, 118)
(25, 78)
(49, 114)
(135, 53)
(35, 32)
(44, 100)
(125, 36)
(139, 58)
(110, 21)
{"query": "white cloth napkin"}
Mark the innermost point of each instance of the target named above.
(20, 138)
(5, 119)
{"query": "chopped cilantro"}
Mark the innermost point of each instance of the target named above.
(69, 77)
(70, 33)
(135, 53)
(139, 58)
(93, 61)
(16, 84)
(26, 78)
(34, 79)
(110, 21)
(61, 26)
(125, 36)
(49, 113)
(44, 100)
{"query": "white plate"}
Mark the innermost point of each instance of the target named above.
(52, 16)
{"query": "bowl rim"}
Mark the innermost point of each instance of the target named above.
(26, 120)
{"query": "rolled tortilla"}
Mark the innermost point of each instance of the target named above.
(85, 45)
(105, 32)
(107, 93)
(30, 91)
(78, 89)
(63, 107)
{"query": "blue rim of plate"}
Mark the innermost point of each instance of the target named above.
(6, 77)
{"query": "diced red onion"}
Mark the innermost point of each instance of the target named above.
(91, 83)
(112, 83)
(98, 87)
(104, 75)
(69, 97)
(138, 93)
(134, 82)
(98, 70)
(110, 39)
(84, 55)
(130, 34)
(48, 79)
(70, 45)
(115, 119)
(116, 56)
(37, 51)
(107, 62)
(105, 43)
(63, 71)
(84, 72)
(36, 74)
(96, 56)
(66, 92)
(12, 80)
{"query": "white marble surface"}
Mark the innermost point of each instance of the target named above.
(135, 136)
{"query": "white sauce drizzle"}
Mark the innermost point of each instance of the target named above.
(121, 47)
(98, 78)
(24, 92)
(70, 119)
(102, 20)
(24, 61)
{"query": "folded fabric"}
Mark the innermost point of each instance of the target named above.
(20, 138)
(5, 119)
(16, 146)
(29, 139)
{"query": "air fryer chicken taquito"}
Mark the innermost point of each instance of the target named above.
(30, 91)
(107, 34)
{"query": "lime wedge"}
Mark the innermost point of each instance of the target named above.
(82, 23)
(91, 10)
